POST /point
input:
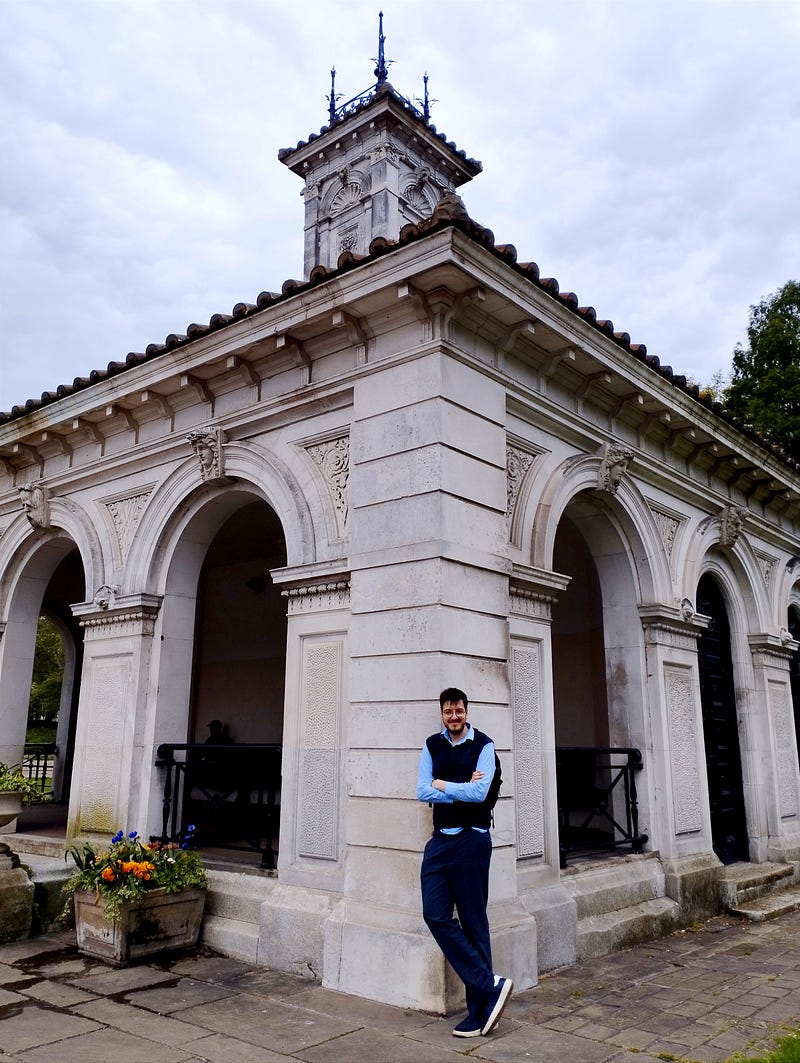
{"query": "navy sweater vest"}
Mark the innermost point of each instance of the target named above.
(456, 764)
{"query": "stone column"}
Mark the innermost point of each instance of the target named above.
(113, 759)
(773, 784)
(677, 817)
(533, 593)
(311, 867)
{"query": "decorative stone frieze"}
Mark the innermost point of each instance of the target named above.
(207, 446)
(772, 651)
(677, 628)
(125, 514)
(679, 686)
(318, 596)
(731, 519)
(533, 592)
(35, 499)
(112, 616)
(614, 462)
(332, 457)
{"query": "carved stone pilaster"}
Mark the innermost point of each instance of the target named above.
(680, 694)
(332, 457)
(533, 592)
(207, 446)
(35, 499)
(614, 462)
(526, 669)
(779, 697)
(110, 616)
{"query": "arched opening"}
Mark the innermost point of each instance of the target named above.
(720, 727)
(53, 581)
(224, 662)
(597, 684)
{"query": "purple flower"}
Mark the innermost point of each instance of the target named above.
(117, 837)
(133, 834)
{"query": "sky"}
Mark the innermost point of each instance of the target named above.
(646, 153)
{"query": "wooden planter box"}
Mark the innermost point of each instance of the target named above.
(157, 922)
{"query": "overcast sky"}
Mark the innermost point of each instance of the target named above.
(646, 154)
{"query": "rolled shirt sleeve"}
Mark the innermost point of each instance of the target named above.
(455, 791)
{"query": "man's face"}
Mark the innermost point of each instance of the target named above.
(454, 717)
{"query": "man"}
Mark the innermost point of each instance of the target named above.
(456, 768)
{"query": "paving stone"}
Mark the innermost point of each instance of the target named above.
(107, 981)
(264, 982)
(368, 1012)
(7, 997)
(56, 993)
(29, 1026)
(103, 1046)
(187, 993)
(9, 975)
(158, 1028)
(541, 1046)
(267, 1023)
(32, 947)
(368, 1045)
(212, 968)
(632, 1038)
(217, 1048)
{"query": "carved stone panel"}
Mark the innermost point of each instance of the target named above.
(207, 446)
(614, 462)
(518, 462)
(685, 774)
(125, 514)
(332, 457)
(319, 770)
(102, 759)
(780, 708)
(528, 782)
(668, 525)
(35, 499)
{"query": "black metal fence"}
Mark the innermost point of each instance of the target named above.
(230, 793)
(38, 761)
(597, 802)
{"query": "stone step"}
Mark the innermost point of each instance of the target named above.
(598, 935)
(742, 883)
(614, 884)
(238, 896)
(770, 906)
(37, 845)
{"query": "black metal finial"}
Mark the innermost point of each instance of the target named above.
(426, 101)
(381, 71)
(333, 97)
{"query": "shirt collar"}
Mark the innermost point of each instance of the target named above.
(467, 737)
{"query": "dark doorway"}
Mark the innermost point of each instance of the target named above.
(794, 673)
(720, 728)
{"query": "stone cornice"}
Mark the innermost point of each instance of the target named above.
(676, 626)
(534, 591)
(111, 616)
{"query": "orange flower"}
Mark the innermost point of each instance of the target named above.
(108, 874)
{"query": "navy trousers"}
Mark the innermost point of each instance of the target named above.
(455, 876)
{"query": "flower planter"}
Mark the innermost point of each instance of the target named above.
(155, 922)
(10, 806)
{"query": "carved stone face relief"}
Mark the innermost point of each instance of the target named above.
(35, 503)
(207, 445)
(614, 462)
(732, 521)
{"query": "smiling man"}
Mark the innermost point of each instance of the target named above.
(456, 769)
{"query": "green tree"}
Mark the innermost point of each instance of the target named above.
(764, 391)
(48, 672)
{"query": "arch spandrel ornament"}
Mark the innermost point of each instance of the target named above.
(35, 500)
(207, 446)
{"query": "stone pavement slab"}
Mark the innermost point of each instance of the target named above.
(105, 1046)
(28, 1025)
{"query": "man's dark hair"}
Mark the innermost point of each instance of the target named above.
(453, 694)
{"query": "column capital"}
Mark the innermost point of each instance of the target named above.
(314, 588)
(776, 650)
(676, 626)
(109, 615)
(534, 591)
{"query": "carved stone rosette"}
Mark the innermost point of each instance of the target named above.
(332, 457)
(35, 499)
(614, 462)
(207, 446)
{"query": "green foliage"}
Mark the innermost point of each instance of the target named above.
(12, 780)
(764, 391)
(48, 673)
(788, 1051)
(129, 868)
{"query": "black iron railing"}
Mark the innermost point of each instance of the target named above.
(38, 760)
(230, 793)
(597, 802)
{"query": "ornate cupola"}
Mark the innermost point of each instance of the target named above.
(378, 165)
